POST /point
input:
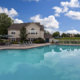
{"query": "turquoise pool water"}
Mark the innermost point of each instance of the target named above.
(43, 63)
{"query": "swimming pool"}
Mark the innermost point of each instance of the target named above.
(42, 63)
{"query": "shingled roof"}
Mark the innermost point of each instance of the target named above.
(19, 26)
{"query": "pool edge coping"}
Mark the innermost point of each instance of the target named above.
(23, 48)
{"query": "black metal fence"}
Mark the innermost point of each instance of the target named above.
(68, 42)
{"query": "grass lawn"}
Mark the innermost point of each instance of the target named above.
(69, 38)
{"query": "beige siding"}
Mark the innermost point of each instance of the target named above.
(37, 29)
(16, 35)
(40, 34)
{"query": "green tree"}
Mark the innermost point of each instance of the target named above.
(64, 35)
(56, 34)
(5, 22)
(23, 34)
(77, 35)
(46, 32)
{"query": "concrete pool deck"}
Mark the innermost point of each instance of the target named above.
(18, 46)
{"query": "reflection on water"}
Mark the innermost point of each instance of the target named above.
(43, 63)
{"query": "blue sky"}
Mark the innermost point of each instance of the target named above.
(55, 15)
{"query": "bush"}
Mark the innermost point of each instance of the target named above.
(15, 42)
(52, 42)
(2, 42)
(39, 40)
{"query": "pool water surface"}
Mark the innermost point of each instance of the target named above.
(42, 63)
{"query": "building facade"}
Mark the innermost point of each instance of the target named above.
(33, 31)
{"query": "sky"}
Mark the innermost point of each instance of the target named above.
(55, 15)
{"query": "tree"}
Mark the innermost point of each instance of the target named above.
(46, 32)
(56, 34)
(77, 35)
(23, 34)
(64, 35)
(5, 22)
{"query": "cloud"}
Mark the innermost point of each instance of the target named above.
(73, 31)
(65, 8)
(32, 0)
(18, 21)
(48, 22)
(72, 3)
(51, 30)
(12, 12)
(73, 14)
(59, 10)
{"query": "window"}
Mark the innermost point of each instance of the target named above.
(31, 39)
(12, 32)
(13, 39)
(36, 33)
(32, 29)
(32, 33)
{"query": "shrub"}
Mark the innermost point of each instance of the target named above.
(15, 42)
(52, 42)
(2, 42)
(39, 40)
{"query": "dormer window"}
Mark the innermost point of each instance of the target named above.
(12, 32)
(32, 29)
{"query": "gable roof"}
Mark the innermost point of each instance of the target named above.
(19, 26)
